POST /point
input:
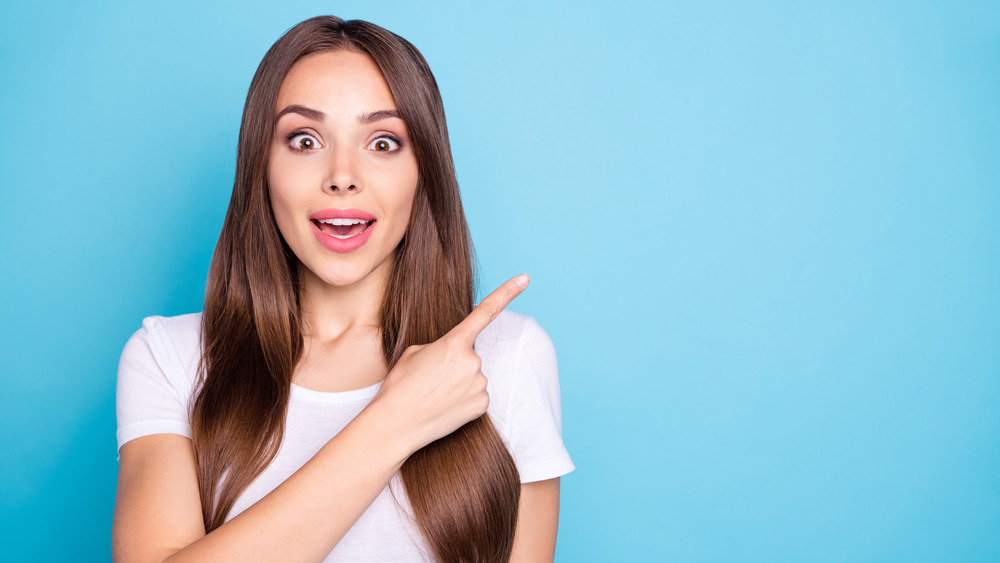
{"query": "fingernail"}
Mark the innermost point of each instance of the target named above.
(521, 281)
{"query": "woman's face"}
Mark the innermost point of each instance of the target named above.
(342, 172)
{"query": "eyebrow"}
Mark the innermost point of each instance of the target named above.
(313, 114)
(369, 118)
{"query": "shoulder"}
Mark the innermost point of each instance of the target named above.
(168, 347)
(512, 334)
(180, 334)
(518, 357)
(180, 328)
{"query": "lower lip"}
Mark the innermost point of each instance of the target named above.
(343, 244)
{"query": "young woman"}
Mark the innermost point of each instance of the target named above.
(340, 398)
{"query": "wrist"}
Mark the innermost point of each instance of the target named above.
(388, 432)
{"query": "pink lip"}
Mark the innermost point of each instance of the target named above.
(342, 245)
(341, 214)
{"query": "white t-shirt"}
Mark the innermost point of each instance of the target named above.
(158, 371)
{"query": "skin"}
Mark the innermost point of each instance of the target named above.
(432, 390)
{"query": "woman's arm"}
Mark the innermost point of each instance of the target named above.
(432, 390)
(537, 522)
(158, 511)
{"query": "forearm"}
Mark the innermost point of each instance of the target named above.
(305, 517)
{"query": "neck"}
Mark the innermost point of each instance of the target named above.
(329, 311)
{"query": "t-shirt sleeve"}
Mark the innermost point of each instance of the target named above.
(152, 391)
(534, 413)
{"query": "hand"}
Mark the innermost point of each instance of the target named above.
(436, 388)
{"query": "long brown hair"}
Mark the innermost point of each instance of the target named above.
(463, 488)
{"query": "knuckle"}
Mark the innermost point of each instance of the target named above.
(482, 402)
(469, 365)
(451, 341)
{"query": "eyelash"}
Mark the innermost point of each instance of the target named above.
(300, 132)
(297, 133)
(393, 138)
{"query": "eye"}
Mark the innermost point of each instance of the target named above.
(385, 143)
(302, 142)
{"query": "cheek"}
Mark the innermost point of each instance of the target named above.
(404, 201)
(284, 180)
(396, 188)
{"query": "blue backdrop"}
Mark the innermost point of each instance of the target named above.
(765, 238)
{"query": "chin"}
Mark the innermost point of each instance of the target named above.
(344, 275)
(342, 280)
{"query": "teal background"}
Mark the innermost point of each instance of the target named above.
(765, 238)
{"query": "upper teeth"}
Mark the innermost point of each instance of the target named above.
(342, 222)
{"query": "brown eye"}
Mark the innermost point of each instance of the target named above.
(385, 144)
(302, 142)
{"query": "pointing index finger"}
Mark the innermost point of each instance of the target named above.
(490, 307)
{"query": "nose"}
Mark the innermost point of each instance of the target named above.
(342, 174)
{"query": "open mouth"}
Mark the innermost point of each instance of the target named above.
(342, 228)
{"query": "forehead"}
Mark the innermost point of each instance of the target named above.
(336, 81)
